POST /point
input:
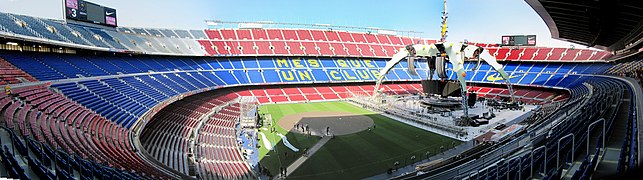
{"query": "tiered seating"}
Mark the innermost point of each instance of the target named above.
(524, 95)
(259, 41)
(306, 93)
(166, 135)
(547, 54)
(171, 150)
(627, 69)
(313, 42)
(218, 151)
(9, 74)
(149, 40)
(59, 123)
(14, 26)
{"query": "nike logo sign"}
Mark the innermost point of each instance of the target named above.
(497, 77)
(108, 13)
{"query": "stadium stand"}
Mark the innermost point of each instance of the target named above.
(88, 110)
(257, 42)
(51, 123)
(9, 74)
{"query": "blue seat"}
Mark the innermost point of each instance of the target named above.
(183, 34)
(255, 76)
(227, 77)
(198, 34)
(11, 25)
(87, 35)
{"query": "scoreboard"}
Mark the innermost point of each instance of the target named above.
(86, 11)
(519, 40)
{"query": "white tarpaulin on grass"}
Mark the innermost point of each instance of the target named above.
(266, 142)
(284, 139)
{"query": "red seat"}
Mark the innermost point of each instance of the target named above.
(324, 48)
(259, 34)
(366, 50)
(304, 35)
(514, 54)
(345, 37)
(213, 34)
(264, 47)
(406, 41)
(601, 55)
(528, 54)
(289, 34)
(220, 47)
(370, 38)
(244, 34)
(570, 55)
(275, 34)
(501, 54)
(339, 49)
(9, 74)
(390, 50)
(332, 35)
(584, 55)
(352, 49)
(358, 37)
(247, 47)
(318, 35)
(556, 54)
(542, 54)
(383, 39)
(228, 34)
(378, 50)
(208, 47)
(295, 47)
(234, 46)
(310, 48)
(395, 40)
(280, 47)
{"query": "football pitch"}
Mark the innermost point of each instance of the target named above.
(361, 154)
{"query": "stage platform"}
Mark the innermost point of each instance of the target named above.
(413, 110)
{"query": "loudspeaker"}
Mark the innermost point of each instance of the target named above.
(451, 88)
(433, 86)
(441, 67)
(472, 99)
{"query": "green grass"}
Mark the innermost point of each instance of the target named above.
(352, 156)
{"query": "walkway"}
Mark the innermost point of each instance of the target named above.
(440, 156)
(303, 159)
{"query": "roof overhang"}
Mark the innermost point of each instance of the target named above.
(605, 24)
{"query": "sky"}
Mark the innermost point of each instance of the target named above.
(474, 20)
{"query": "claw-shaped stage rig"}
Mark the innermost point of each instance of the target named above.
(440, 52)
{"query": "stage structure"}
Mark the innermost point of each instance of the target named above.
(455, 53)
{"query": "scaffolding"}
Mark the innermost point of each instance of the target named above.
(248, 107)
(407, 108)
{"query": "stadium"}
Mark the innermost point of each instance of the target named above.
(85, 98)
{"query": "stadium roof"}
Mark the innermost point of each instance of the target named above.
(606, 24)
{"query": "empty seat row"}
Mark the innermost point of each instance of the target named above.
(46, 117)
